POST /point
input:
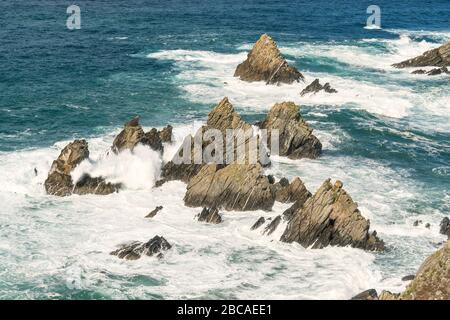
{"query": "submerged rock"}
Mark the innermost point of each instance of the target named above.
(258, 223)
(438, 57)
(210, 215)
(408, 278)
(272, 226)
(370, 294)
(330, 217)
(154, 212)
(265, 63)
(432, 281)
(136, 249)
(315, 87)
(133, 134)
(296, 140)
(445, 227)
(59, 181)
(235, 187)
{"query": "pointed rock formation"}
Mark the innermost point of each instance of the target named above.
(136, 249)
(296, 140)
(59, 181)
(154, 212)
(166, 134)
(438, 57)
(258, 223)
(370, 294)
(272, 226)
(315, 87)
(286, 192)
(331, 217)
(265, 63)
(210, 215)
(236, 187)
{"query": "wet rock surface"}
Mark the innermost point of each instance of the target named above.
(315, 87)
(444, 227)
(370, 294)
(265, 63)
(210, 215)
(330, 217)
(258, 223)
(272, 226)
(154, 212)
(438, 57)
(296, 140)
(136, 249)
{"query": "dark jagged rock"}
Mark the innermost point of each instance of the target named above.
(291, 192)
(315, 87)
(330, 217)
(258, 223)
(159, 183)
(59, 181)
(222, 117)
(154, 212)
(408, 278)
(235, 187)
(370, 294)
(137, 249)
(427, 226)
(210, 215)
(272, 226)
(432, 281)
(438, 71)
(438, 57)
(265, 63)
(417, 222)
(133, 134)
(420, 71)
(166, 134)
(296, 140)
(445, 227)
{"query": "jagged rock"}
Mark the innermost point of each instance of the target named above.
(166, 134)
(234, 187)
(59, 181)
(133, 134)
(438, 71)
(210, 215)
(438, 57)
(445, 227)
(272, 226)
(315, 87)
(427, 226)
(154, 212)
(417, 222)
(258, 223)
(331, 217)
(387, 295)
(420, 71)
(136, 249)
(265, 63)
(296, 140)
(408, 278)
(432, 281)
(159, 183)
(291, 192)
(370, 294)
(221, 117)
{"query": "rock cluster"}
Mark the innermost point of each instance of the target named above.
(136, 249)
(59, 181)
(438, 57)
(265, 63)
(133, 134)
(432, 72)
(296, 140)
(315, 87)
(330, 217)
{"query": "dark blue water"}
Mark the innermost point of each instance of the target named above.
(163, 60)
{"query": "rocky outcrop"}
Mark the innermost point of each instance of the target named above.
(223, 117)
(286, 192)
(133, 134)
(136, 249)
(445, 227)
(154, 212)
(331, 217)
(387, 295)
(315, 87)
(296, 140)
(370, 294)
(258, 223)
(234, 187)
(432, 281)
(439, 57)
(265, 63)
(59, 181)
(210, 215)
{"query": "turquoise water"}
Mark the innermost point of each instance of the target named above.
(385, 135)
